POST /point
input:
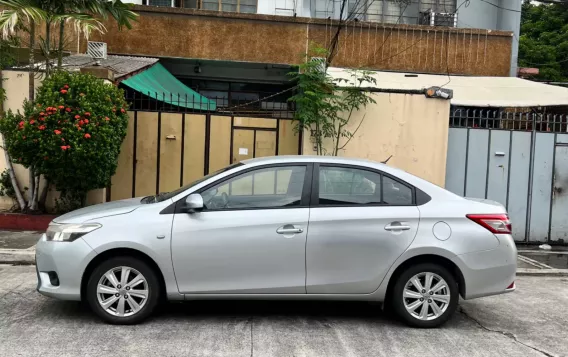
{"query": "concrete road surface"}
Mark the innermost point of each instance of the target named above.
(533, 321)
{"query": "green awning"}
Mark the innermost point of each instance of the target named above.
(156, 82)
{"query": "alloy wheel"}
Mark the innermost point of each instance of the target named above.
(122, 291)
(426, 296)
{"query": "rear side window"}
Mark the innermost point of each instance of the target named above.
(350, 186)
(347, 186)
(396, 193)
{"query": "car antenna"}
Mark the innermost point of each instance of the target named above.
(387, 160)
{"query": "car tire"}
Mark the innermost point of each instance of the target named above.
(406, 296)
(142, 288)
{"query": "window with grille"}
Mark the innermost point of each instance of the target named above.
(168, 3)
(245, 6)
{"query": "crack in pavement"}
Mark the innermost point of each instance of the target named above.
(251, 340)
(504, 333)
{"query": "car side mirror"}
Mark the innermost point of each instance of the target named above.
(193, 203)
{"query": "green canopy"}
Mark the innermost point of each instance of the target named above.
(158, 83)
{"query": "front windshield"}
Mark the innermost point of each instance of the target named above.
(167, 195)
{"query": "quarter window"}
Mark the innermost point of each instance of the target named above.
(263, 188)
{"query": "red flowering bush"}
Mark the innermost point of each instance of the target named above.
(71, 133)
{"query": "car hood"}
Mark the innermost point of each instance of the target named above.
(98, 211)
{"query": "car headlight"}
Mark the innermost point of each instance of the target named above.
(69, 232)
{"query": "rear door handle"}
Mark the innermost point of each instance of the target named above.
(289, 229)
(397, 227)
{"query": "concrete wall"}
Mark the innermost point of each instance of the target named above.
(198, 34)
(411, 128)
(16, 84)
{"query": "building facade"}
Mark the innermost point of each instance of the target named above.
(491, 15)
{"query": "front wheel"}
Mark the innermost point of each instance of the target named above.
(123, 290)
(425, 295)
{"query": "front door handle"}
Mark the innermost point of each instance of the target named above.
(289, 229)
(397, 226)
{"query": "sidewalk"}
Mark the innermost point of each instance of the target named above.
(19, 248)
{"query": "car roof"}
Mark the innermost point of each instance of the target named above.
(311, 158)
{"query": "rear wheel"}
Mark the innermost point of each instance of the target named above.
(123, 290)
(425, 295)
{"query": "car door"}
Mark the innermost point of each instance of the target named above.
(361, 221)
(250, 237)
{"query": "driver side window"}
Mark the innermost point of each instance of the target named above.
(271, 187)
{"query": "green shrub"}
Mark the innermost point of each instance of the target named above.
(71, 133)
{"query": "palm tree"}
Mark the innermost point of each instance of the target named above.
(86, 15)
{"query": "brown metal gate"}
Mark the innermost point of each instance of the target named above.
(163, 151)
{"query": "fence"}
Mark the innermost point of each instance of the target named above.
(172, 143)
(249, 104)
(517, 159)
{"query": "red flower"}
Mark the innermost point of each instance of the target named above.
(81, 122)
(86, 121)
(68, 110)
(63, 147)
(107, 119)
(87, 114)
(61, 107)
(62, 139)
(122, 110)
(77, 117)
(57, 132)
(32, 121)
(41, 127)
(42, 113)
(66, 86)
(42, 119)
(63, 91)
(21, 123)
(87, 136)
(68, 146)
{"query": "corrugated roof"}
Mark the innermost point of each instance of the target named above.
(469, 91)
(120, 65)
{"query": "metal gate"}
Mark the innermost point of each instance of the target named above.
(517, 159)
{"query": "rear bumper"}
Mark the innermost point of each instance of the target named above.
(489, 272)
(68, 261)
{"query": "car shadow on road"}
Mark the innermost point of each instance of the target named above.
(201, 311)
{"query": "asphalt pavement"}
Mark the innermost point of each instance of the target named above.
(529, 322)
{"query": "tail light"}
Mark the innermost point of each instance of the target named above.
(494, 223)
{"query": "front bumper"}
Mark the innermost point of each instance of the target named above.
(489, 272)
(68, 260)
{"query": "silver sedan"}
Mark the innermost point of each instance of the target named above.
(287, 227)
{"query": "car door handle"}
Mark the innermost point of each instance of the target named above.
(289, 229)
(398, 227)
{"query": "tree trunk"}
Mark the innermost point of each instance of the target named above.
(33, 205)
(31, 94)
(19, 197)
(47, 46)
(60, 50)
(43, 196)
(31, 188)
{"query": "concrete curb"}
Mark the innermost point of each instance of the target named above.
(17, 256)
(543, 272)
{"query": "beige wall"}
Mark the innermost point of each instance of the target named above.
(16, 84)
(410, 127)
